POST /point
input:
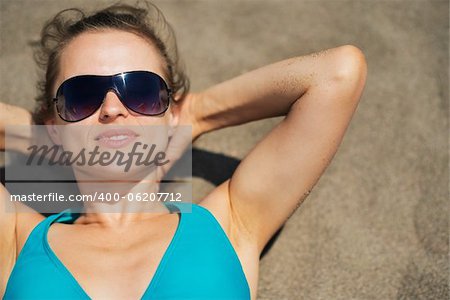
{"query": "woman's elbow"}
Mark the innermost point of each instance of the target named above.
(351, 65)
(349, 73)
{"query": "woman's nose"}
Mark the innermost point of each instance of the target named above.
(112, 108)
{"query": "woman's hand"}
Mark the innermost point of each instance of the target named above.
(185, 132)
(187, 111)
(18, 137)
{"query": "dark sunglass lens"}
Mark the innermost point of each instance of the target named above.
(79, 98)
(146, 93)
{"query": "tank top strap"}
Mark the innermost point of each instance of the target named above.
(190, 209)
(35, 239)
(42, 227)
(180, 207)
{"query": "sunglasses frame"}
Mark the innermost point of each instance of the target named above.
(116, 91)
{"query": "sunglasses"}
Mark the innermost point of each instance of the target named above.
(143, 92)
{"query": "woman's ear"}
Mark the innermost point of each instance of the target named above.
(52, 130)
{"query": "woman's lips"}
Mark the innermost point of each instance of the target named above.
(116, 138)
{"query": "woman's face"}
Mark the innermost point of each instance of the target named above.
(110, 52)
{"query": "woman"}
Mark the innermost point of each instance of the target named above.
(213, 252)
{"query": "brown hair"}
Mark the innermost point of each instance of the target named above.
(69, 23)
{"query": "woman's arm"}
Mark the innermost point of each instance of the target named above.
(8, 238)
(16, 219)
(318, 93)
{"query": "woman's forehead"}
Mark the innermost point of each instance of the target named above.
(108, 52)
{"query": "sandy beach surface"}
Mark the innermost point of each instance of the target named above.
(376, 225)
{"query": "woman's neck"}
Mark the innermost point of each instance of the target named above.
(119, 202)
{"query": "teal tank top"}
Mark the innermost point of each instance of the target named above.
(199, 263)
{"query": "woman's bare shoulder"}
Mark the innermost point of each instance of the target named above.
(17, 220)
(219, 204)
(16, 223)
(27, 219)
